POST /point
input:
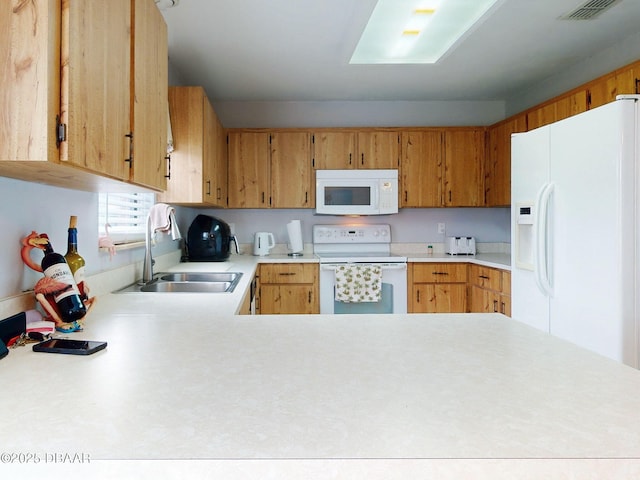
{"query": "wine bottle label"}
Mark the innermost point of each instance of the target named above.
(62, 273)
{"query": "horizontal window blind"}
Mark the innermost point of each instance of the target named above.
(125, 214)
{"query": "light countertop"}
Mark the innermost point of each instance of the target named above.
(316, 396)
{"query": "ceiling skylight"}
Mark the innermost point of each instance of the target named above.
(416, 31)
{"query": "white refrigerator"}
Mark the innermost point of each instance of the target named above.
(574, 229)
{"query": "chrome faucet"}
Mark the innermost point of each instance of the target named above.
(147, 266)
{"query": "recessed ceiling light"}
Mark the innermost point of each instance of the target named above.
(416, 31)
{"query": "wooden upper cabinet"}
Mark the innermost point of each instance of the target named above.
(96, 71)
(74, 62)
(30, 79)
(421, 168)
(334, 150)
(198, 165)
(463, 169)
(270, 169)
(149, 99)
(497, 169)
(558, 109)
(249, 169)
(347, 149)
(219, 168)
(291, 170)
(605, 90)
(378, 149)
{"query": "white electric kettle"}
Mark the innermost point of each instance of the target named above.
(263, 242)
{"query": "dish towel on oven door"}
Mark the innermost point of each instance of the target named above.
(358, 283)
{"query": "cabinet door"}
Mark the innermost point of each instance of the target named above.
(249, 161)
(96, 71)
(606, 89)
(186, 108)
(334, 150)
(291, 170)
(378, 149)
(497, 170)
(463, 177)
(439, 298)
(149, 98)
(571, 105)
(217, 190)
(198, 164)
(421, 169)
(558, 109)
(30, 97)
(214, 180)
(484, 301)
(288, 299)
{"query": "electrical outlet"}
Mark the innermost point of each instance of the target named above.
(441, 228)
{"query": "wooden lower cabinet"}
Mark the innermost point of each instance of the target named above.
(450, 287)
(288, 288)
(489, 290)
(438, 288)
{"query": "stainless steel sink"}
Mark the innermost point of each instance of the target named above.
(200, 277)
(218, 282)
(187, 287)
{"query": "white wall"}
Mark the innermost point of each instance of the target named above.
(410, 225)
(358, 114)
(30, 206)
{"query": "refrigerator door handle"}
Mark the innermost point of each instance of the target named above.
(542, 235)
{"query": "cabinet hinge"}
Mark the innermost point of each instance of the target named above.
(61, 131)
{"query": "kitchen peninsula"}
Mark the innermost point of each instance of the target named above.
(317, 396)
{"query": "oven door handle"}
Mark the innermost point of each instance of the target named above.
(384, 266)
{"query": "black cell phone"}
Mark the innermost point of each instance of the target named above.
(73, 347)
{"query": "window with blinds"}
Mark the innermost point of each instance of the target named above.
(124, 215)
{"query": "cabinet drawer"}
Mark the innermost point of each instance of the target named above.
(439, 272)
(288, 273)
(485, 277)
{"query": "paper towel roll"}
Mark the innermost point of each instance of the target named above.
(294, 229)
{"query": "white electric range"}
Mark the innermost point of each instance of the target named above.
(363, 245)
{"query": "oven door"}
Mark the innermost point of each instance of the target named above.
(394, 291)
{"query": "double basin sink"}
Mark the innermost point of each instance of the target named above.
(215, 282)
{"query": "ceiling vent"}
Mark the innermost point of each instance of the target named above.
(589, 10)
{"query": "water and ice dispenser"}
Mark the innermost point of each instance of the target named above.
(524, 241)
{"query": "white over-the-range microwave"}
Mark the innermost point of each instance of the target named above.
(356, 192)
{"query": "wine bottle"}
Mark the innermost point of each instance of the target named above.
(74, 259)
(68, 301)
